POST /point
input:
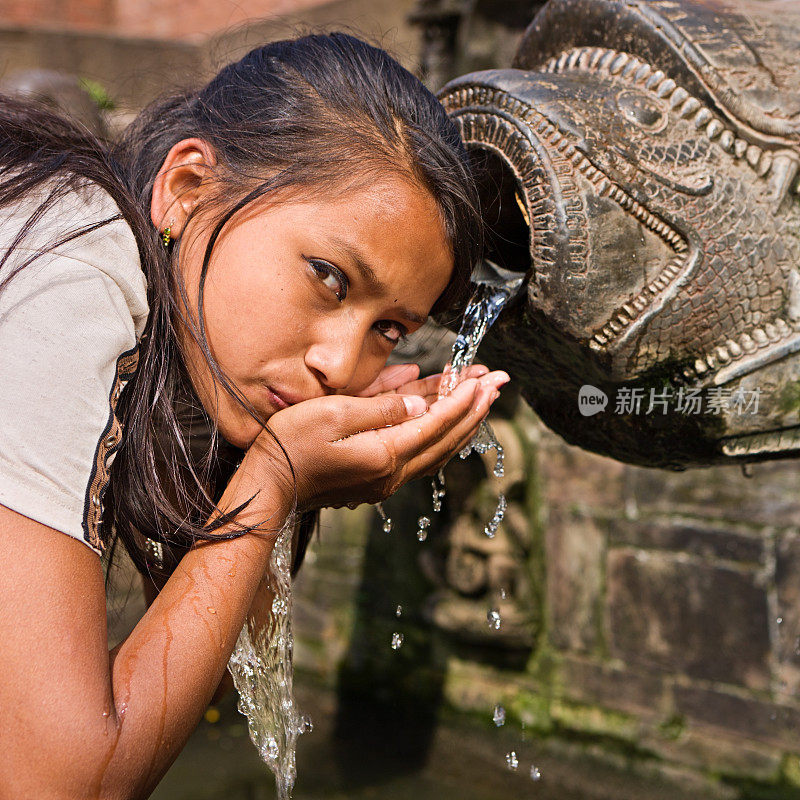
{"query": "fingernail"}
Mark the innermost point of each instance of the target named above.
(415, 405)
(481, 370)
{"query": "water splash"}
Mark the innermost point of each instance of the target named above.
(484, 441)
(494, 619)
(261, 667)
(499, 716)
(512, 762)
(438, 489)
(494, 523)
(397, 640)
(482, 310)
(495, 288)
(536, 774)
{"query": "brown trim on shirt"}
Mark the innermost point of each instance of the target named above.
(107, 445)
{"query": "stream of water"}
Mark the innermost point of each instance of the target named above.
(261, 666)
(489, 299)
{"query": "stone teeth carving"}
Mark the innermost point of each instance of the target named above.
(753, 154)
(727, 140)
(702, 117)
(678, 97)
(714, 129)
(723, 355)
(760, 337)
(665, 87)
(690, 105)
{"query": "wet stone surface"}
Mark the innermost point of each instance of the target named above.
(705, 621)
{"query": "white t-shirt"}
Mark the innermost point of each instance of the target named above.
(70, 323)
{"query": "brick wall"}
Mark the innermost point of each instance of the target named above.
(152, 19)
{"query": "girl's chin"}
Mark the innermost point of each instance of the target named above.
(243, 433)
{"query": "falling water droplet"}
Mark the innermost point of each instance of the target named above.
(494, 619)
(779, 620)
(499, 716)
(536, 775)
(387, 522)
(437, 486)
(422, 533)
(512, 762)
(306, 725)
(503, 594)
(397, 641)
(398, 612)
(494, 523)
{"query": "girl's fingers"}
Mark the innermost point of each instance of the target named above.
(441, 451)
(391, 379)
(409, 439)
(346, 416)
(429, 387)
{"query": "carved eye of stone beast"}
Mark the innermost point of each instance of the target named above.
(640, 165)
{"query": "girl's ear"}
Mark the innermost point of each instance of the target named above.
(180, 184)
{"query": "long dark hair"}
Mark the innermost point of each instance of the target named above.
(309, 112)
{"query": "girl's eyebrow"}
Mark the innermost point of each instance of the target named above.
(368, 275)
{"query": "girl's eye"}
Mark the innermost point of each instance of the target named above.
(330, 276)
(391, 331)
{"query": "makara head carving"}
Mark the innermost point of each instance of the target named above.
(640, 164)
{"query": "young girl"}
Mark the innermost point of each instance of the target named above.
(194, 328)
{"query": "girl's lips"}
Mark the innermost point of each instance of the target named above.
(276, 399)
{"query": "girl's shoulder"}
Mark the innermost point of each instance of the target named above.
(70, 323)
(55, 232)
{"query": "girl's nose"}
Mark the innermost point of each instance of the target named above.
(334, 357)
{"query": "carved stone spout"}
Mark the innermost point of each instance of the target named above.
(640, 165)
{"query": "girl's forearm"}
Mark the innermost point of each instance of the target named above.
(167, 670)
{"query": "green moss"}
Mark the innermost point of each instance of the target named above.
(789, 399)
(98, 93)
(790, 769)
(673, 727)
(533, 709)
(595, 721)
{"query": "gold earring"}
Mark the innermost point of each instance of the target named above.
(166, 236)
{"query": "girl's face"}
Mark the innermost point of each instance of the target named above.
(308, 297)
